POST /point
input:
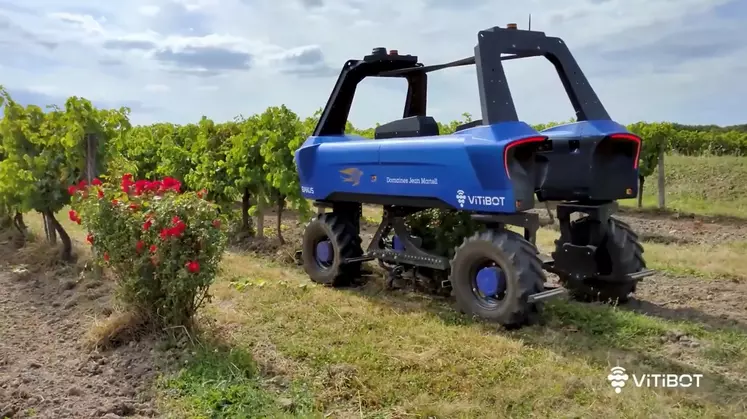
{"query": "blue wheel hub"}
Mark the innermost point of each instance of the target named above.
(491, 281)
(324, 252)
(397, 244)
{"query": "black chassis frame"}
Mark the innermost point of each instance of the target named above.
(413, 255)
(393, 219)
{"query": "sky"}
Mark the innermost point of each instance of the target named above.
(177, 60)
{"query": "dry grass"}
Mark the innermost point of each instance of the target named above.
(33, 257)
(116, 329)
(38, 255)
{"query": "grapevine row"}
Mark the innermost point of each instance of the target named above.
(247, 160)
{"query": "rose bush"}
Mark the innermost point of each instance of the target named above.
(163, 246)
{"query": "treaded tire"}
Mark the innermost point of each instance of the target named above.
(620, 251)
(346, 243)
(518, 260)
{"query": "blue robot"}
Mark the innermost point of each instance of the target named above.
(495, 168)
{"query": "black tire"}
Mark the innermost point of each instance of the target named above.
(517, 258)
(346, 243)
(619, 253)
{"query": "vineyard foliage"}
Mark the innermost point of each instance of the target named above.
(247, 160)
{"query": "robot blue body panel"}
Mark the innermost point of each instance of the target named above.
(466, 170)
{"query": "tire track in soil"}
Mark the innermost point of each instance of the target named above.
(45, 371)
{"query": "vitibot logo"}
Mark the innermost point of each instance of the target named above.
(461, 197)
(351, 175)
(617, 378)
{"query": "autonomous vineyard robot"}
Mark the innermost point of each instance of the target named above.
(493, 169)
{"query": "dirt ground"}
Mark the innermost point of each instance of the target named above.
(45, 370)
(684, 230)
(676, 229)
(716, 304)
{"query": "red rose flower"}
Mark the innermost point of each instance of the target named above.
(74, 216)
(142, 186)
(155, 186)
(127, 183)
(176, 230)
(193, 266)
(169, 183)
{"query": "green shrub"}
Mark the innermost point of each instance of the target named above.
(442, 230)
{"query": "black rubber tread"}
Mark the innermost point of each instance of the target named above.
(345, 244)
(624, 251)
(518, 258)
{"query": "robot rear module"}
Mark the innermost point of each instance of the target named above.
(494, 169)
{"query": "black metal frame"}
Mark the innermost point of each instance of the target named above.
(595, 211)
(414, 255)
(598, 211)
(336, 112)
(495, 96)
(494, 45)
(393, 219)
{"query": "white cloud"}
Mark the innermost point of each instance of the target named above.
(647, 59)
(156, 88)
(148, 10)
(192, 5)
(87, 23)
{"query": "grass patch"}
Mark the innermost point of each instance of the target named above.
(706, 185)
(393, 354)
(225, 383)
